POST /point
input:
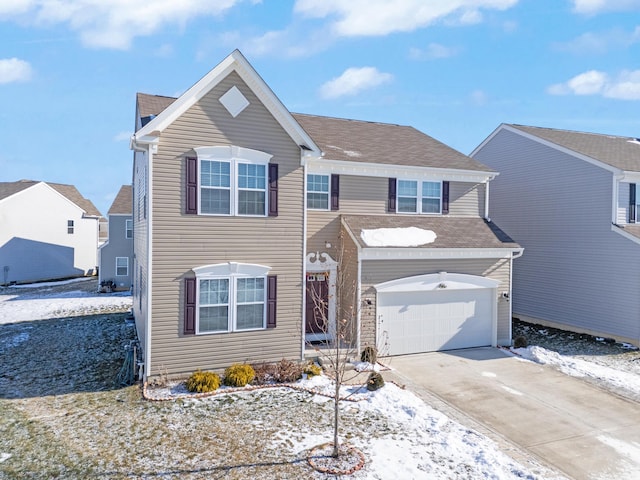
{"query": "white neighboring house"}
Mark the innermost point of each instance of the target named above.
(47, 231)
(116, 254)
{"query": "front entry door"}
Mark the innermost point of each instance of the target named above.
(317, 312)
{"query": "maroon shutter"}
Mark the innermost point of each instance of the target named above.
(191, 201)
(272, 294)
(445, 197)
(273, 189)
(632, 203)
(391, 205)
(189, 306)
(335, 192)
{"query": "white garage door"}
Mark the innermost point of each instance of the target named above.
(430, 317)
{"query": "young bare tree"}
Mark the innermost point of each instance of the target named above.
(339, 338)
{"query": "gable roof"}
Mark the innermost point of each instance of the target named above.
(373, 142)
(451, 232)
(235, 62)
(123, 203)
(619, 152)
(70, 192)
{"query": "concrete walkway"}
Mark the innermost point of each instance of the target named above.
(578, 429)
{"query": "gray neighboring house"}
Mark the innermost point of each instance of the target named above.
(571, 199)
(116, 255)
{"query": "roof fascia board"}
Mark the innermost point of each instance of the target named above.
(630, 177)
(238, 63)
(387, 253)
(560, 148)
(397, 171)
(13, 195)
(486, 140)
(68, 200)
(627, 235)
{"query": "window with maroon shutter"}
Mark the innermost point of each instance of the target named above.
(189, 306)
(632, 203)
(191, 196)
(273, 189)
(272, 294)
(335, 192)
(391, 202)
(445, 197)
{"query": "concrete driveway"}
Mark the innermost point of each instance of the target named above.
(569, 424)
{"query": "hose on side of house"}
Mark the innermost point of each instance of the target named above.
(127, 374)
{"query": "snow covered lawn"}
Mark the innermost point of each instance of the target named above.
(62, 416)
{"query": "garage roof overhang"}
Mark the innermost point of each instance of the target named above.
(388, 253)
(436, 281)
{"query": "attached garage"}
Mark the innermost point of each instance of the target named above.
(434, 312)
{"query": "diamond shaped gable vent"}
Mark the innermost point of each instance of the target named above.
(234, 101)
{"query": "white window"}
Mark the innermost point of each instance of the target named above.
(318, 192)
(70, 227)
(122, 266)
(231, 297)
(414, 196)
(232, 181)
(128, 233)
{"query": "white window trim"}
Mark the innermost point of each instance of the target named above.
(328, 192)
(231, 271)
(419, 197)
(637, 203)
(128, 227)
(126, 274)
(234, 155)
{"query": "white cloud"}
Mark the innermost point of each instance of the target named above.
(14, 70)
(479, 98)
(593, 7)
(625, 86)
(433, 52)
(353, 81)
(122, 136)
(111, 23)
(600, 43)
(384, 17)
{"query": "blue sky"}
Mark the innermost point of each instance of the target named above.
(454, 69)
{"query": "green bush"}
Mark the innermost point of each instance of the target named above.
(520, 342)
(311, 369)
(369, 354)
(239, 375)
(201, 382)
(375, 381)
(287, 371)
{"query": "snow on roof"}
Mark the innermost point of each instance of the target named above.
(398, 237)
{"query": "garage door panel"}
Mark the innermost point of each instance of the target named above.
(436, 320)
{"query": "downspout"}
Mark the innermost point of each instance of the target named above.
(486, 202)
(515, 254)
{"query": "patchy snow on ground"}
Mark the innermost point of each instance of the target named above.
(69, 298)
(576, 367)
(397, 237)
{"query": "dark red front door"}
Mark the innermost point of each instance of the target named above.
(317, 312)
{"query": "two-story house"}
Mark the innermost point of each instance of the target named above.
(116, 254)
(244, 212)
(47, 231)
(571, 199)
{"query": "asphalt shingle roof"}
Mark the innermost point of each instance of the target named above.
(452, 232)
(123, 203)
(69, 191)
(619, 152)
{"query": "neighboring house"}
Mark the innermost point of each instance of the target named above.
(47, 231)
(571, 199)
(116, 255)
(242, 209)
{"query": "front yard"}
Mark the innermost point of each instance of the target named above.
(63, 417)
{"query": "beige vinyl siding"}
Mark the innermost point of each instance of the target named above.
(361, 195)
(379, 271)
(466, 199)
(182, 242)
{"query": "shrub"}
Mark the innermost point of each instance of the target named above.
(311, 369)
(287, 371)
(239, 375)
(201, 382)
(264, 373)
(369, 354)
(520, 342)
(375, 381)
